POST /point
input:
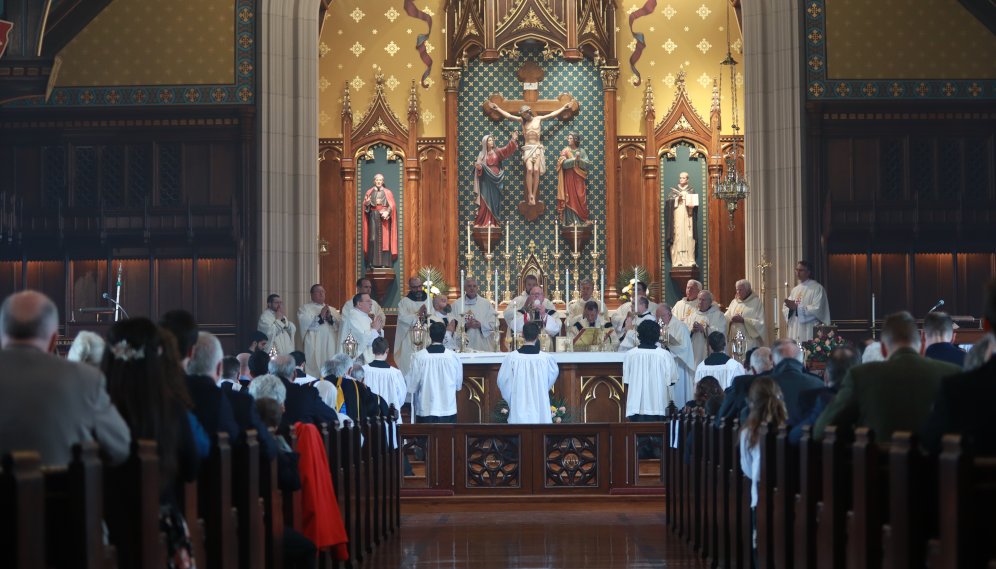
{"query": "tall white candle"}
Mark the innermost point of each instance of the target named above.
(468, 236)
(489, 241)
(496, 288)
(776, 312)
(873, 311)
(576, 239)
(556, 236)
(462, 292)
(508, 234)
(567, 285)
(602, 292)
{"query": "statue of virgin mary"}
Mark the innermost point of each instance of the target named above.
(489, 180)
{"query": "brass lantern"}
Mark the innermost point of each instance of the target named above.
(733, 187)
(663, 340)
(739, 347)
(350, 345)
(418, 335)
(273, 352)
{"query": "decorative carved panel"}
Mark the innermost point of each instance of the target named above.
(471, 401)
(603, 399)
(493, 461)
(571, 460)
(416, 450)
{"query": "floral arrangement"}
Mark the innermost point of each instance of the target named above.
(560, 411)
(819, 348)
(432, 281)
(626, 280)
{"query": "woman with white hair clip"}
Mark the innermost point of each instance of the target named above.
(87, 348)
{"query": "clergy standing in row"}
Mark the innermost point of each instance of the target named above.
(274, 323)
(535, 309)
(704, 320)
(435, 376)
(443, 313)
(529, 282)
(386, 381)
(526, 378)
(746, 315)
(621, 313)
(410, 309)
(319, 331)
(591, 328)
(364, 286)
(684, 307)
(648, 373)
(806, 306)
(630, 340)
(679, 343)
(364, 330)
(577, 307)
(480, 319)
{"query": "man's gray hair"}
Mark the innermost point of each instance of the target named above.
(338, 366)
(760, 360)
(744, 282)
(282, 366)
(207, 355)
(87, 348)
(43, 325)
(587, 282)
(711, 297)
(938, 324)
(976, 357)
(786, 349)
(872, 353)
(268, 386)
(697, 283)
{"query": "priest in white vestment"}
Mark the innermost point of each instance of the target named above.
(806, 306)
(704, 320)
(443, 313)
(746, 315)
(274, 323)
(591, 328)
(621, 313)
(525, 379)
(363, 330)
(480, 321)
(386, 381)
(411, 308)
(535, 310)
(435, 375)
(630, 339)
(679, 343)
(364, 286)
(519, 302)
(648, 373)
(688, 303)
(718, 364)
(319, 330)
(577, 307)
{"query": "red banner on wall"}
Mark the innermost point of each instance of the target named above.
(5, 28)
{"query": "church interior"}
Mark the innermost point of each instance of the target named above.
(740, 245)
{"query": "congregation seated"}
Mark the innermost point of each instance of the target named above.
(708, 397)
(230, 374)
(938, 331)
(894, 395)
(244, 377)
(735, 398)
(718, 364)
(353, 398)
(980, 353)
(813, 402)
(790, 374)
(87, 348)
(48, 403)
(300, 362)
(258, 364)
(302, 405)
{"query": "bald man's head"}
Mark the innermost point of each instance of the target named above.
(29, 318)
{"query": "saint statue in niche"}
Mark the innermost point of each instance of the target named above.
(679, 219)
(380, 229)
(572, 182)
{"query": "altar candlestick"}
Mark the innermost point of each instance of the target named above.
(508, 234)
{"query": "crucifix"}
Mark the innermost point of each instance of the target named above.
(531, 111)
(763, 265)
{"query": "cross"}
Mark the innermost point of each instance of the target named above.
(530, 75)
(763, 265)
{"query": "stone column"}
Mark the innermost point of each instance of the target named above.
(286, 234)
(773, 113)
(610, 225)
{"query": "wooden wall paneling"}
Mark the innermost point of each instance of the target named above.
(726, 250)
(136, 295)
(934, 281)
(975, 269)
(222, 164)
(175, 281)
(333, 224)
(839, 168)
(891, 283)
(89, 284)
(847, 287)
(196, 174)
(49, 277)
(441, 213)
(651, 221)
(630, 219)
(7, 166)
(27, 174)
(866, 168)
(215, 281)
(432, 163)
(10, 278)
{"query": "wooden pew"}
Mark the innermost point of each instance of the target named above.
(394, 506)
(786, 487)
(246, 501)
(349, 504)
(671, 475)
(131, 506)
(195, 522)
(831, 540)
(330, 436)
(357, 488)
(739, 520)
(292, 500)
(967, 499)
(367, 485)
(868, 495)
(724, 521)
(912, 499)
(708, 489)
(375, 469)
(764, 512)
(273, 513)
(214, 489)
(810, 488)
(22, 511)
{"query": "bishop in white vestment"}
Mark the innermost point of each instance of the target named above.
(386, 381)
(279, 330)
(577, 307)
(704, 320)
(410, 309)
(535, 304)
(648, 373)
(679, 343)
(688, 303)
(359, 325)
(435, 375)
(518, 303)
(319, 331)
(806, 306)
(526, 378)
(579, 329)
(482, 318)
(746, 315)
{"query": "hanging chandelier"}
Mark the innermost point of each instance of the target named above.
(733, 187)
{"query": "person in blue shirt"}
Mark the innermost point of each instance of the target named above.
(812, 402)
(938, 330)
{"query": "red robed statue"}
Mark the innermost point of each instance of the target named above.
(380, 248)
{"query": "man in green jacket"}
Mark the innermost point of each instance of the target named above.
(894, 395)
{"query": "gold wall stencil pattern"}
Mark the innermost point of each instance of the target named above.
(168, 42)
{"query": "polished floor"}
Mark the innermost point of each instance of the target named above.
(533, 540)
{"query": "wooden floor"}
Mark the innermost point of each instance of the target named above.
(533, 540)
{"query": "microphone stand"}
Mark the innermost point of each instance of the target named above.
(119, 307)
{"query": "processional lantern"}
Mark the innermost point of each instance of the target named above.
(350, 345)
(733, 187)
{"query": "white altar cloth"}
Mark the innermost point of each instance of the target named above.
(561, 357)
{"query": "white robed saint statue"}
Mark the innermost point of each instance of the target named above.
(319, 331)
(525, 379)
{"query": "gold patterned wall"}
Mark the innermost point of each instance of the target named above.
(167, 42)
(907, 39)
(360, 36)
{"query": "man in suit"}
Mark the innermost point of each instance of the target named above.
(813, 402)
(789, 373)
(894, 395)
(963, 404)
(229, 374)
(49, 404)
(207, 364)
(938, 331)
(303, 402)
(211, 407)
(259, 364)
(358, 402)
(735, 400)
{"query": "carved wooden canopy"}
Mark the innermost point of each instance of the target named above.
(380, 123)
(682, 122)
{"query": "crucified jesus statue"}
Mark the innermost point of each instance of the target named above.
(532, 150)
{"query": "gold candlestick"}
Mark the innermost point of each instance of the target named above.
(488, 293)
(507, 296)
(576, 294)
(557, 295)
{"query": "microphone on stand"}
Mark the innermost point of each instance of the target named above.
(121, 308)
(939, 303)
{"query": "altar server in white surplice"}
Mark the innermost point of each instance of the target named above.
(433, 379)
(535, 310)
(577, 307)
(410, 309)
(526, 378)
(688, 303)
(519, 302)
(363, 286)
(363, 330)
(590, 329)
(806, 306)
(718, 364)
(648, 372)
(679, 343)
(274, 323)
(622, 313)
(745, 314)
(386, 381)
(319, 330)
(704, 320)
(480, 322)
(630, 340)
